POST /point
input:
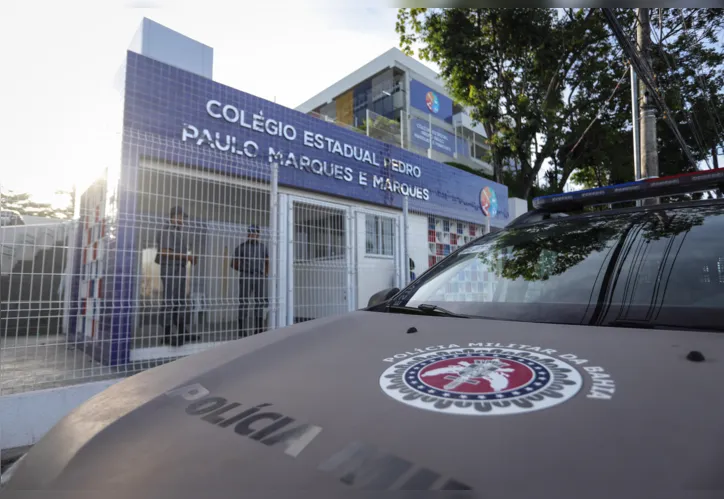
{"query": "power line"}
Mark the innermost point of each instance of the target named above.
(608, 101)
(699, 79)
(646, 74)
(600, 110)
(696, 128)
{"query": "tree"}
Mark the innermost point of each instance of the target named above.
(687, 63)
(550, 86)
(688, 60)
(69, 211)
(534, 78)
(23, 203)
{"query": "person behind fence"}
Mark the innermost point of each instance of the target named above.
(173, 256)
(251, 260)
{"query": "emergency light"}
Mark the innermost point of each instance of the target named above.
(683, 183)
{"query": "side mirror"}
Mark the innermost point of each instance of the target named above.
(382, 296)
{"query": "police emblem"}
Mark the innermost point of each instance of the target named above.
(481, 381)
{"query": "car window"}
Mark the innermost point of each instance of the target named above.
(664, 266)
(676, 263)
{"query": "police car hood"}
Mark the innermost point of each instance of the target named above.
(372, 401)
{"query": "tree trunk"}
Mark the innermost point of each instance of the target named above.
(714, 156)
(527, 187)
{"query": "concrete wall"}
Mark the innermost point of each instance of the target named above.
(166, 45)
(516, 208)
(32, 265)
(26, 417)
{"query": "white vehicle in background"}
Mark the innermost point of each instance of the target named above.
(11, 217)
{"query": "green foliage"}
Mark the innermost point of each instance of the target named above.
(550, 86)
(23, 203)
(687, 59)
(381, 123)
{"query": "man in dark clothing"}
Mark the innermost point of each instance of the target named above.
(251, 260)
(173, 254)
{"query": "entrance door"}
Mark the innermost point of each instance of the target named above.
(319, 260)
(378, 253)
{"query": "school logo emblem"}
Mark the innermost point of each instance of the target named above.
(488, 202)
(433, 103)
(481, 381)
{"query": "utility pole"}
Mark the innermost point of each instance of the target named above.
(636, 123)
(649, 154)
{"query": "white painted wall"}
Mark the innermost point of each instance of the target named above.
(171, 47)
(26, 417)
(516, 208)
(417, 243)
(374, 272)
(22, 242)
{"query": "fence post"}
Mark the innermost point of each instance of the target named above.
(405, 226)
(274, 228)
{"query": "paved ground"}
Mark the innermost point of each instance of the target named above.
(41, 361)
(37, 363)
(151, 335)
(30, 363)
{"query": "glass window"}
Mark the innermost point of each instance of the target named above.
(322, 237)
(380, 235)
(660, 267)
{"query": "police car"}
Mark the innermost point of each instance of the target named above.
(575, 354)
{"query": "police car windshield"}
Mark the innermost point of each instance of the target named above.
(660, 268)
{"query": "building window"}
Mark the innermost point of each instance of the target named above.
(320, 238)
(380, 235)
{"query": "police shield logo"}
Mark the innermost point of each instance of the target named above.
(481, 381)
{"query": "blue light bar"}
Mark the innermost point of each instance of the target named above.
(683, 183)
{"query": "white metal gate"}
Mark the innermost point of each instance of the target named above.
(319, 260)
(378, 253)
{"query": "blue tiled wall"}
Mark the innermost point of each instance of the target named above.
(161, 100)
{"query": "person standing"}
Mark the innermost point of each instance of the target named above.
(173, 255)
(251, 260)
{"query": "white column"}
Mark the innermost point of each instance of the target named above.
(405, 230)
(274, 245)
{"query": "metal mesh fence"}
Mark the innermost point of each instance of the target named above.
(320, 262)
(34, 294)
(171, 260)
(188, 243)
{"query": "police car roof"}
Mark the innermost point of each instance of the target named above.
(566, 204)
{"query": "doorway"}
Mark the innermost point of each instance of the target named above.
(319, 263)
(378, 243)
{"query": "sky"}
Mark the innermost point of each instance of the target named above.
(61, 111)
